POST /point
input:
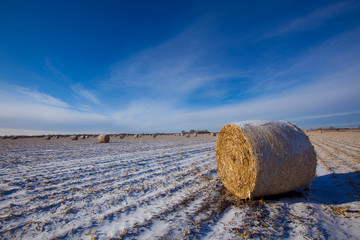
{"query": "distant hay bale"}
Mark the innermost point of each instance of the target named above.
(47, 137)
(213, 134)
(154, 136)
(104, 138)
(122, 136)
(319, 131)
(74, 138)
(136, 136)
(260, 158)
(187, 135)
(82, 137)
(195, 135)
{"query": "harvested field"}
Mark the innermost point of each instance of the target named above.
(165, 188)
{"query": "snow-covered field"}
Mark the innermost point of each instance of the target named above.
(166, 188)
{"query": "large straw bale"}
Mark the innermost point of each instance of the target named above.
(260, 158)
(104, 138)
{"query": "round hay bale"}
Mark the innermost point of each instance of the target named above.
(195, 135)
(74, 138)
(187, 135)
(47, 137)
(260, 158)
(154, 136)
(104, 138)
(213, 134)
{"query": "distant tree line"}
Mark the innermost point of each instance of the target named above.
(192, 131)
(332, 128)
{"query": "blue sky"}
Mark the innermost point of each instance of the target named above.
(165, 66)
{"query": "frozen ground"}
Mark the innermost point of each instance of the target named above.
(166, 188)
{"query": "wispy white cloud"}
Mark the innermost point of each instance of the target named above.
(78, 90)
(81, 93)
(41, 97)
(175, 68)
(326, 96)
(311, 100)
(22, 108)
(29, 132)
(332, 59)
(56, 72)
(314, 19)
(321, 82)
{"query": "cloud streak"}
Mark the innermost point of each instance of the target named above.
(314, 19)
(322, 81)
(81, 93)
(29, 109)
(41, 97)
(174, 69)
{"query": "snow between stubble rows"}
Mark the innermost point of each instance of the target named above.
(164, 188)
(142, 188)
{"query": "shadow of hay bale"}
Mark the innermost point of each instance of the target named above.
(336, 188)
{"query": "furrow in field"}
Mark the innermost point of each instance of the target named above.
(338, 148)
(66, 174)
(348, 139)
(351, 147)
(105, 184)
(135, 204)
(106, 188)
(183, 207)
(165, 160)
(336, 158)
